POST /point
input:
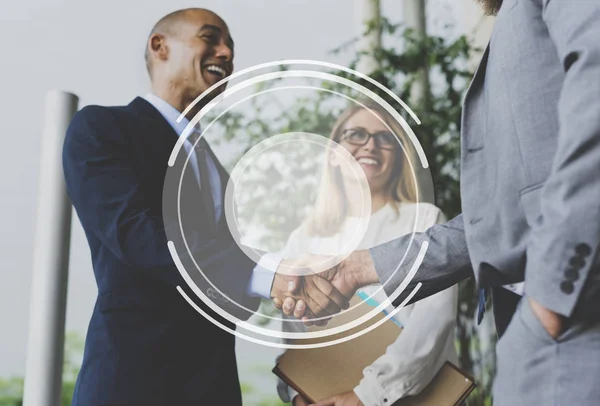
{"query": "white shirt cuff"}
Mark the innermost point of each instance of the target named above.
(292, 393)
(518, 288)
(365, 395)
(261, 280)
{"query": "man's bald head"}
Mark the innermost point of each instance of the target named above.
(167, 26)
(187, 52)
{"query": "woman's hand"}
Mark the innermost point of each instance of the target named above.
(299, 400)
(344, 399)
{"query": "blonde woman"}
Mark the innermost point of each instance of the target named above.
(427, 339)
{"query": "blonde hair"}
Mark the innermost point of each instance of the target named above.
(331, 208)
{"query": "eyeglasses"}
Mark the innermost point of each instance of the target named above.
(360, 137)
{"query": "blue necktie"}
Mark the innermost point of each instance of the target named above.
(202, 156)
(481, 305)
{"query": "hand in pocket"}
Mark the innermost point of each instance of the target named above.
(554, 323)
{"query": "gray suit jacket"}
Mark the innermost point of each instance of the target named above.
(530, 164)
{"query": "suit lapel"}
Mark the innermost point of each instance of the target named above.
(153, 122)
(473, 114)
(224, 178)
(191, 203)
(479, 75)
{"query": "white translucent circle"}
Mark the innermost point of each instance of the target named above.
(180, 241)
(307, 174)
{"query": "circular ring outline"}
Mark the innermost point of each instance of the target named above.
(193, 124)
(304, 74)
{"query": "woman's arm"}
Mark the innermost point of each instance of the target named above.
(411, 362)
(426, 342)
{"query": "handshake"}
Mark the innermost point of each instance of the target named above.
(320, 295)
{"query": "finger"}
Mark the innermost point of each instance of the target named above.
(326, 402)
(321, 322)
(278, 303)
(300, 309)
(293, 283)
(299, 401)
(310, 319)
(331, 291)
(306, 321)
(318, 321)
(314, 306)
(288, 306)
(329, 306)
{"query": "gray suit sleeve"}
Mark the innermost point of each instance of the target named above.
(445, 263)
(565, 239)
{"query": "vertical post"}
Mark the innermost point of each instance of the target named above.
(367, 12)
(43, 376)
(414, 17)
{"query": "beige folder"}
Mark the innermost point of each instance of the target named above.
(319, 373)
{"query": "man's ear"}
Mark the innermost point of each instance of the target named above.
(158, 46)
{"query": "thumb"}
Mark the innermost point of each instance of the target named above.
(293, 283)
(326, 402)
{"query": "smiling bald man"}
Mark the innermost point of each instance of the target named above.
(145, 344)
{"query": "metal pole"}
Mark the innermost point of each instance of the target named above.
(43, 377)
(368, 11)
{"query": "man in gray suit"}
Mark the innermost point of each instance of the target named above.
(530, 187)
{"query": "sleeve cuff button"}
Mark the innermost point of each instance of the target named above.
(571, 274)
(567, 287)
(583, 249)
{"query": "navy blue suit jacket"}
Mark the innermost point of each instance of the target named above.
(145, 345)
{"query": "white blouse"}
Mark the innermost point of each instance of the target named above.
(427, 339)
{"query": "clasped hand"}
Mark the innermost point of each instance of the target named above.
(316, 296)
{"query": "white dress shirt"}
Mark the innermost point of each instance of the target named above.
(263, 274)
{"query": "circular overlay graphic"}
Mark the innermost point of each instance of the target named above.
(296, 165)
(306, 197)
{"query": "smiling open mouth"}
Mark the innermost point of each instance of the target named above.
(368, 161)
(215, 71)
